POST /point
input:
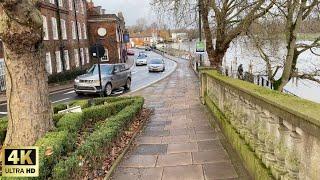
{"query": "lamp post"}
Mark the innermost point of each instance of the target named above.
(102, 32)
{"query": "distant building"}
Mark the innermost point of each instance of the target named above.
(179, 37)
(113, 41)
(137, 40)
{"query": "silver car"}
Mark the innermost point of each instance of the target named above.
(113, 76)
(156, 65)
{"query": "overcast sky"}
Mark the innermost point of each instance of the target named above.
(131, 9)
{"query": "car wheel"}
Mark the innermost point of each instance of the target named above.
(128, 84)
(108, 89)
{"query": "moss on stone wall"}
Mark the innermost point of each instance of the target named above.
(253, 164)
(305, 109)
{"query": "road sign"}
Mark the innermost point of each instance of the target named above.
(200, 47)
(97, 51)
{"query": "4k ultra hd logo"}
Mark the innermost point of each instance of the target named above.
(20, 162)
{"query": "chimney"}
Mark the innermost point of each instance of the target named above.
(98, 9)
(103, 11)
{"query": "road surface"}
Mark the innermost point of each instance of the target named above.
(140, 78)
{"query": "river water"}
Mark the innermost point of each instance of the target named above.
(244, 52)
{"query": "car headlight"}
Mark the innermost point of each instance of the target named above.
(76, 80)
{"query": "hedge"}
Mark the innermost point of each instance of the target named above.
(65, 76)
(3, 128)
(66, 132)
(104, 134)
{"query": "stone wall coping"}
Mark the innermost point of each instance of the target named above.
(301, 108)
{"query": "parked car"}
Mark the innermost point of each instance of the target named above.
(156, 65)
(148, 48)
(113, 76)
(141, 60)
(130, 52)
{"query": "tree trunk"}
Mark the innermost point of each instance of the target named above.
(29, 109)
(217, 60)
(207, 31)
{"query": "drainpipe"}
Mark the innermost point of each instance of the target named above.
(77, 30)
(61, 44)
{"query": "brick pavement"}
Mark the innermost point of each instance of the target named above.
(178, 143)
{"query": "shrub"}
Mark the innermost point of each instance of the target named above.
(105, 133)
(82, 103)
(64, 138)
(65, 76)
(3, 128)
(51, 147)
(104, 111)
(59, 107)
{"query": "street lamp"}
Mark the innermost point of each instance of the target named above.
(102, 32)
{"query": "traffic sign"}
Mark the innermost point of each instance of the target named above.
(200, 47)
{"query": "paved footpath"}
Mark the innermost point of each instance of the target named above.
(178, 143)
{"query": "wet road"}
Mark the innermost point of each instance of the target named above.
(140, 78)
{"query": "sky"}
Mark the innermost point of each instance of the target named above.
(131, 9)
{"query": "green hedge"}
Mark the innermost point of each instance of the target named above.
(66, 131)
(65, 76)
(105, 133)
(3, 128)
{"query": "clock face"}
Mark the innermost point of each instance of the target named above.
(102, 32)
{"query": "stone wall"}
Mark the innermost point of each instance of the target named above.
(276, 135)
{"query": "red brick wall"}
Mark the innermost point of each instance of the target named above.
(50, 10)
(109, 42)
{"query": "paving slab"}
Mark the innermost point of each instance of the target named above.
(178, 142)
(190, 172)
(222, 170)
(150, 149)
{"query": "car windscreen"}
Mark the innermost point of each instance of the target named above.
(105, 69)
(156, 61)
(141, 57)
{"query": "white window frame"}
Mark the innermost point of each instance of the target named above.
(76, 57)
(60, 2)
(66, 59)
(71, 5)
(105, 58)
(45, 28)
(82, 56)
(52, 1)
(87, 55)
(79, 30)
(84, 31)
(48, 63)
(58, 62)
(64, 29)
(54, 28)
(81, 6)
(74, 33)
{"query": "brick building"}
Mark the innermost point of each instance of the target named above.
(66, 40)
(113, 41)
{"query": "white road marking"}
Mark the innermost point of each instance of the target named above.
(70, 92)
(61, 100)
(3, 113)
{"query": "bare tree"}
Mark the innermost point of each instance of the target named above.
(293, 13)
(224, 19)
(29, 109)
